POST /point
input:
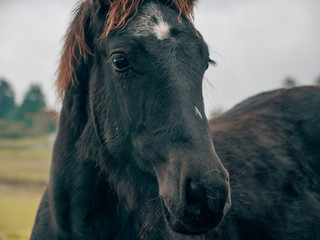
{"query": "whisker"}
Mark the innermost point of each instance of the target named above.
(213, 198)
(153, 199)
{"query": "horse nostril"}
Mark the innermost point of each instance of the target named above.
(194, 197)
(190, 189)
(203, 199)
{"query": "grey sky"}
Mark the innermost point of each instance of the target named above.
(256, 43)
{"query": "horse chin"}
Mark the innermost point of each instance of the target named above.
(186, 227)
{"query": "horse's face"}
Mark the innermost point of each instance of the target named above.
(146, 93)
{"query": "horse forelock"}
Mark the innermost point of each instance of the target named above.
(119, 13)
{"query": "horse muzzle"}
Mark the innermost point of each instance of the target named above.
(197, 201)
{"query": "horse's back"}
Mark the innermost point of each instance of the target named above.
(295, 109)
(269, 144)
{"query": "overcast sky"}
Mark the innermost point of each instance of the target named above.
(256, 43)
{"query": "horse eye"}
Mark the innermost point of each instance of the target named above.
(120, 63)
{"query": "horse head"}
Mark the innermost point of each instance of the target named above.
(133, 72)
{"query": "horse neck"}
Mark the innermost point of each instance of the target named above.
(83, 200)
(86, 201)
(91, 183)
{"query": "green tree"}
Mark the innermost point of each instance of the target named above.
(7, 102)
(317, 82)
(289, 82)
(33, 100)
(32, 103)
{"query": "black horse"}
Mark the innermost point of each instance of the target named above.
(270, 146)
(134, 156)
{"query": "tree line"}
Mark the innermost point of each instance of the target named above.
(292, 82)
(28, 119)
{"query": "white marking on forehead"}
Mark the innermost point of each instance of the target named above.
(150, 22)
(198, 113)
(162, 30)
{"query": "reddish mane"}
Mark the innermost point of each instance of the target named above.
(119, 14)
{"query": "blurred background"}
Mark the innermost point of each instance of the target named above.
(258, 46)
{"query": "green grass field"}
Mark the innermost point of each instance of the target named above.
(24, 168)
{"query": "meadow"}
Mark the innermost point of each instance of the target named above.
(24, 169)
